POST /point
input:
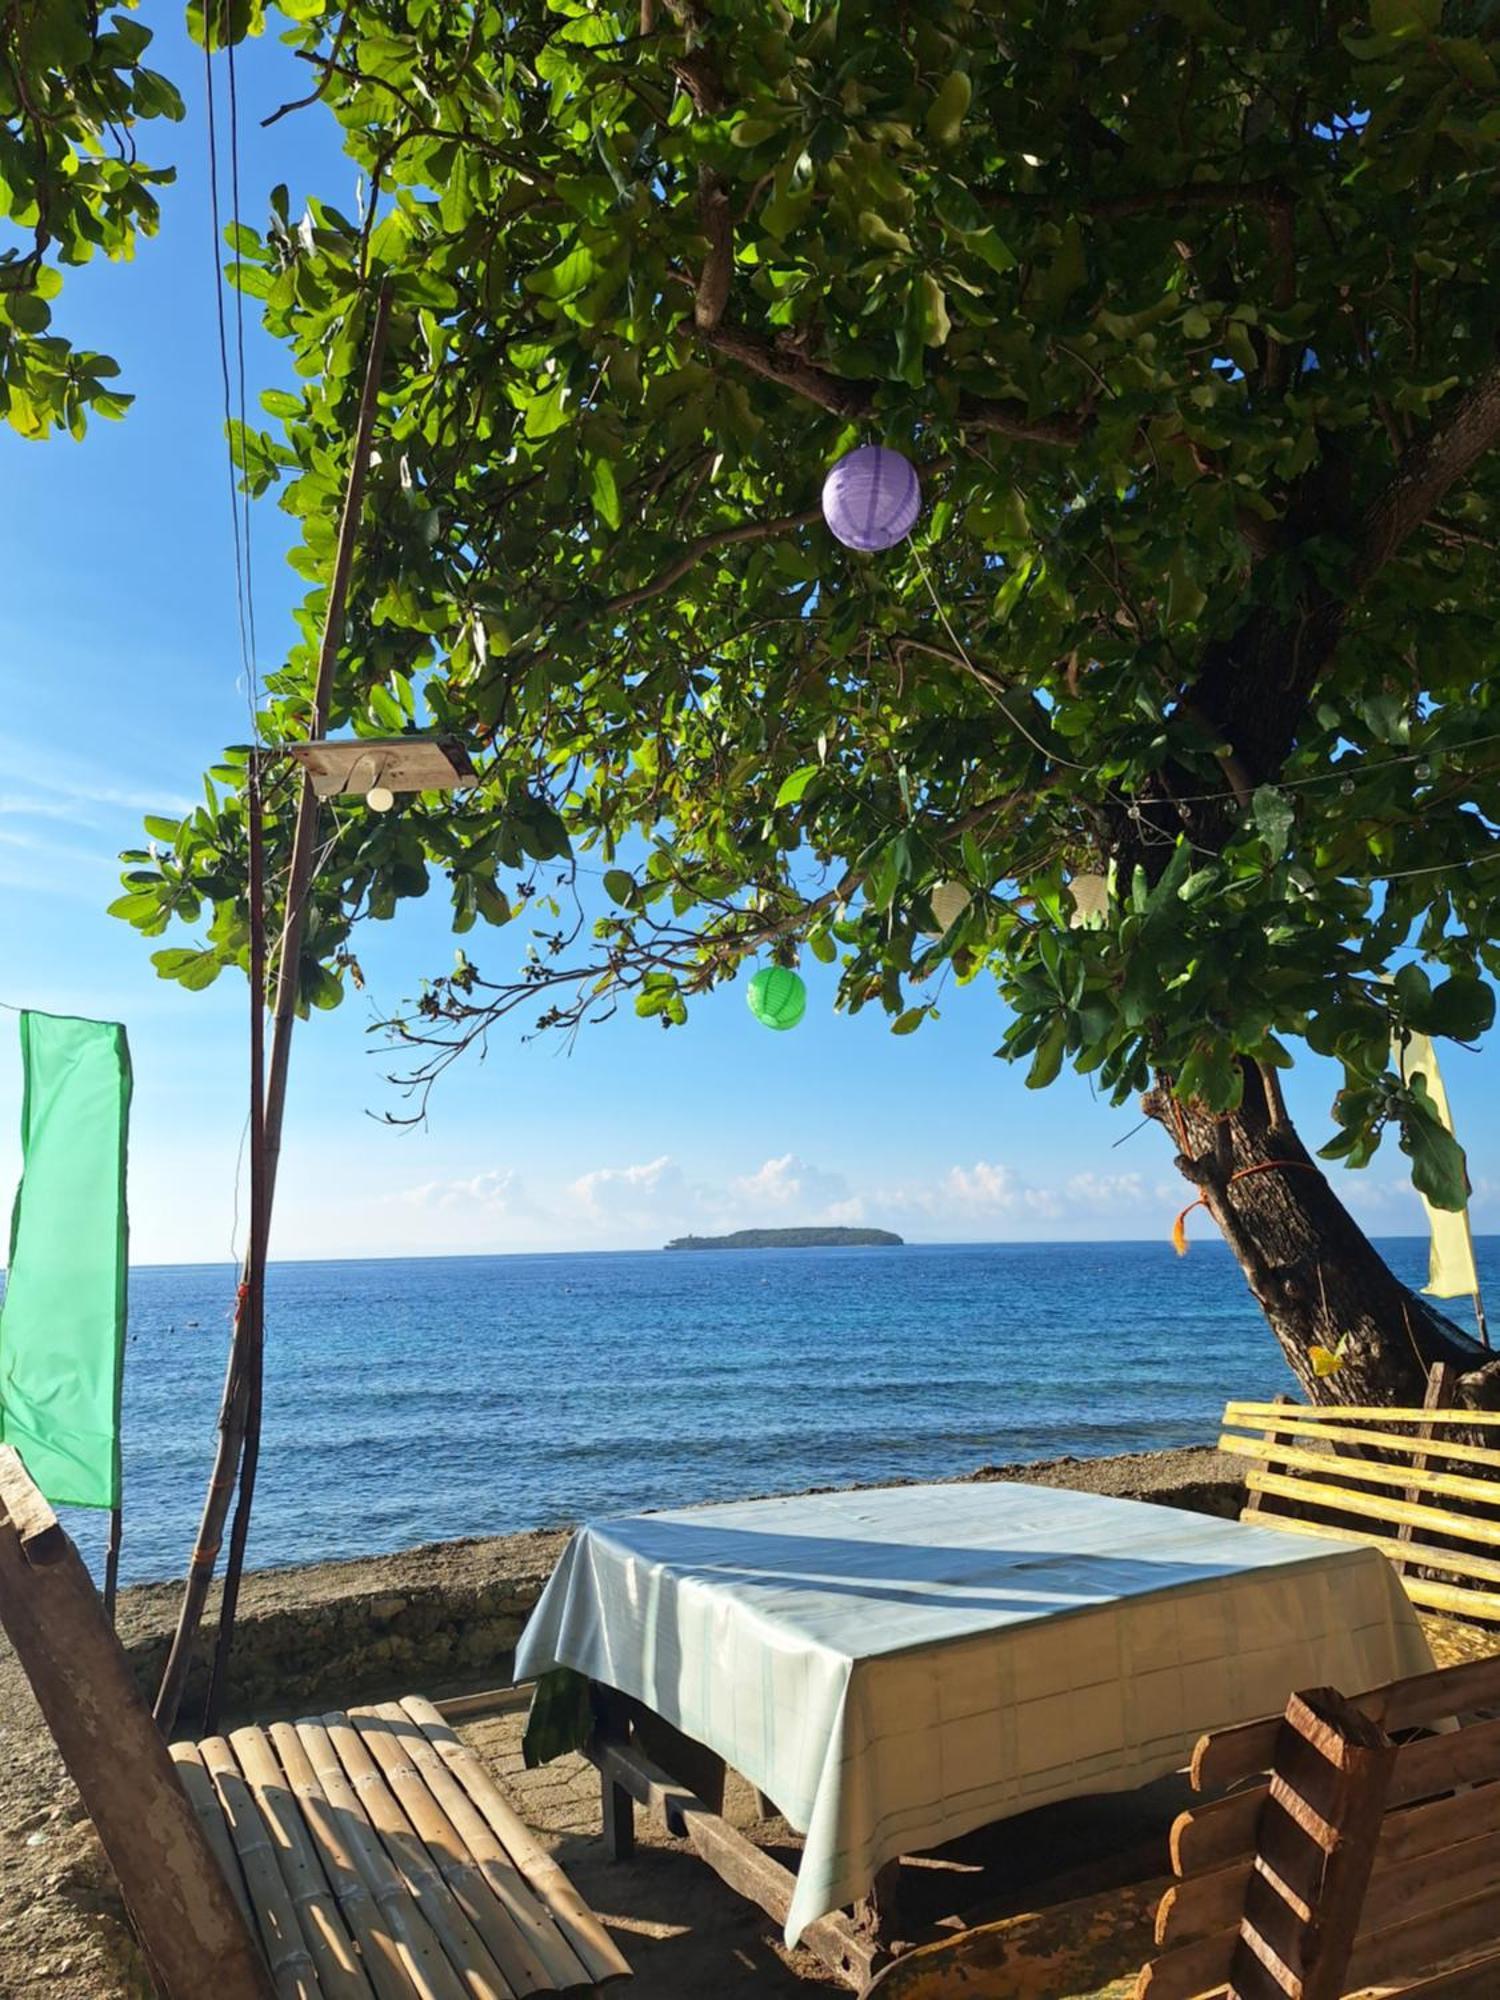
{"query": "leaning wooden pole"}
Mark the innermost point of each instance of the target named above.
(254, 1292)
(235, 1404)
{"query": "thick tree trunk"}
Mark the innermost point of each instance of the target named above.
(1313, 1271)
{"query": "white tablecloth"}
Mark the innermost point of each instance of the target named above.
(895, 1668)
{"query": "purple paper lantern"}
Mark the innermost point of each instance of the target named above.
(872, 497)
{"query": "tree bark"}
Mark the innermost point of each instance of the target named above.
(1311, 1268)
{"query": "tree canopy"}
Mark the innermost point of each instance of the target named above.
(73, 87)
(1185, 313)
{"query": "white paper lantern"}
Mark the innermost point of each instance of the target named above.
(872, 497)
(1090, 895)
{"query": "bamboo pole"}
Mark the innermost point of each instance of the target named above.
(234, 1410)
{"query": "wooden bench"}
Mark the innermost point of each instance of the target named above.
(359, 1856)
(1405, 1481)
(1342, 1865)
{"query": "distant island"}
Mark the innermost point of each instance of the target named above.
(787, 1239)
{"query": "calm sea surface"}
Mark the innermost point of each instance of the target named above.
(413, 1400)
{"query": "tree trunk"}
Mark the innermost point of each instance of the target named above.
(1313, 1271)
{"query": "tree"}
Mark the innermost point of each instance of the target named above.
(73, 86)
(1186, 314)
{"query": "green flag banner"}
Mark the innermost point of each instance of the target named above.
(62, 1327)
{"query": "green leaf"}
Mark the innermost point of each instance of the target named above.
(1438, 1168)
(604, 492)
(1049, 1055)
(793, 786)
(1396, 17)
(945, 114)
(1275, 817)
(619, 886)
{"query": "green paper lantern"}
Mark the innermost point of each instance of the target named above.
(777, 997)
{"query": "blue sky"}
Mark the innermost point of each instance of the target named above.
(120, 673)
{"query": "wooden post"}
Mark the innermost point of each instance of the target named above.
(1441, 1378)
(237, 1387)
(189, 1923)
(617, 1806)
(1314, 1851)
(1256, 1502)
(112, 1562)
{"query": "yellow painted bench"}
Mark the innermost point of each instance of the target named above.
(1412, 1483)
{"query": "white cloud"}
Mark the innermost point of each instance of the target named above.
(1093, 1190)
(787, 1183)
(626, 1194)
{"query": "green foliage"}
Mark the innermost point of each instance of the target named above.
(1158, 299)
(73, 84)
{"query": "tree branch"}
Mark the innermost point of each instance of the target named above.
(722, 538)
(790, 370)
(1429, 471)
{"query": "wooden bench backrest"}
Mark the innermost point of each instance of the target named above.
(1408, 1482)
(193, 1932)
(1258, 1879)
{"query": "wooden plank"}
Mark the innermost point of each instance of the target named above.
(561, 1967)
(1256, 1504)
(1210, 1902)
(1469, 1756)
(1373, 1506)
(748, 1869)
(334, 1955)
(1441, 1485)
(1257, 1416)
(577, 1921)
(1193, 1969)
(1427, 1882)
(426, 1970)
(1352, 1763)
(329, 1830)
(43, 1540)
(1450, 1597)
(287, 1952)
(189, 1922)
(503, 1701)
(1208, 1836)
(1478, 1980)
(1225, 1756)
(466, 1950)
(1405, 1949)
(199, 1786)
(507, 1943)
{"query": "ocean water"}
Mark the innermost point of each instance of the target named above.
(413, 1400)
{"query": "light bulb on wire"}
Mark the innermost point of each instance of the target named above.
(380, 798)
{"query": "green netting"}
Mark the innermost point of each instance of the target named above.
(62, 1327)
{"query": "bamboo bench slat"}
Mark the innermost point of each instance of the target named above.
(506, 1942)
(1447, 1485)
(376, 1859)
(337, 1838)
(1271, 1416)
(1293, 1423)
(334, 1956)
(582, 1928)
(291, 1963)
(557, 1959)
(466, 1950)
(1373, 1506)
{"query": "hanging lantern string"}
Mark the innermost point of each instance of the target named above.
(1179, 1227)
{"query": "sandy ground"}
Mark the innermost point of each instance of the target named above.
(63, 1935)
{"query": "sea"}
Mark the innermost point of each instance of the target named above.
(412, 1400)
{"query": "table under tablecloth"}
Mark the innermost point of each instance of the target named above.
(897, 1667)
